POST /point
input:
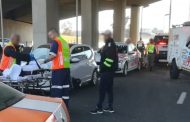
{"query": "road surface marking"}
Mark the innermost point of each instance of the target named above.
(182, 98)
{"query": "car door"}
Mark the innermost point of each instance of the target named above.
(186, 55)
(77, 68)
(132, 56)
(89, 67)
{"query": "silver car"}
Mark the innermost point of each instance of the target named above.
(83, 65)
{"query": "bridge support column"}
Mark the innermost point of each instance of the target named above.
(135, 21)
(89, 13)
(119, 20)
(44, 16)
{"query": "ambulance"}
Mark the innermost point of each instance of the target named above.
(179, 50)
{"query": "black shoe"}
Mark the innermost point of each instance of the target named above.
(110, 110)
(97, 111)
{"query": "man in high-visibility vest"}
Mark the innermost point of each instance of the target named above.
(108, 66)
(150, 52)
(12, 55)
(60, 57)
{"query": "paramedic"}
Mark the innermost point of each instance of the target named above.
(60, 57)
(108, 65)
(141, 49)
(151, 51)
(12, 55)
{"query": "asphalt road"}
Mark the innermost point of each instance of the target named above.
(140, 97)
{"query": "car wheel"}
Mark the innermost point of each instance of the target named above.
(76, 83)
(125, 70)
(94, 79)
(174, 71)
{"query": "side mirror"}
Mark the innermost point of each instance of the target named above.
(75, 60)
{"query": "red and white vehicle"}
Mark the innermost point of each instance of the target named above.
(128, 58)
(161, 42)
(179, 50)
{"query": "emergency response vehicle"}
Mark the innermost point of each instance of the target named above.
(179, 50)
(161, 43)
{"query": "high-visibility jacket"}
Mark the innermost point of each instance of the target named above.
(150, 48)
(62, 59)
(6, 61)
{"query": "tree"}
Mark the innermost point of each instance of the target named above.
(67, 28)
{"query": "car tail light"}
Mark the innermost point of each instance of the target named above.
(51, 119)
(162, 43)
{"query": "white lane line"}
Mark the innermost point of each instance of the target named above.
(182, 98)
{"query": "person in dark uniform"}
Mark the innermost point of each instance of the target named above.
(12, 55)
(108, 65)
(60, 56)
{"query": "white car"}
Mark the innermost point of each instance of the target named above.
(5, 41)
(83, 65)
(179, 50)
(128, 58)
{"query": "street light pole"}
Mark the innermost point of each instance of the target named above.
(170, 14)
(2, 29)
(77, 14)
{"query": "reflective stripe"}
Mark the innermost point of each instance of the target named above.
(108, 65)
(65, 97)
(109, 60)
(60, 87)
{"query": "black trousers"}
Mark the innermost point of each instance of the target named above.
(61, 84)
(106, 88)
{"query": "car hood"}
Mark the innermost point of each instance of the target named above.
(33, 109)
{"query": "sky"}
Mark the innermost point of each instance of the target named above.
(154, 16)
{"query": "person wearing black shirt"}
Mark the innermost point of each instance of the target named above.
(108, 66)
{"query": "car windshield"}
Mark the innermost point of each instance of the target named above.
(41, 53)
(5, 40)
(161, 38)
(9, 96)
(122, 48)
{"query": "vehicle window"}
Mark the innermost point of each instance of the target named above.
(77, 50)
(122, 48)
(87, 52)
(159, 38)
(131, 47)
(9, 96)
(41, 53)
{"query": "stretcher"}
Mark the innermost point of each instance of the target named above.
(30, 77)
(30, 82)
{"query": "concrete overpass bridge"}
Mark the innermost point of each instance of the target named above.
(42, 15)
